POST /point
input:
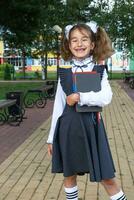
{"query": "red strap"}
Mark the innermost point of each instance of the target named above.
(98, 117)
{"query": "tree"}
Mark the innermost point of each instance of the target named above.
(31, 20)
(79, 11)
(30, 17)
(46, 39)
(121, 21)
(20, 23)
(43, 44)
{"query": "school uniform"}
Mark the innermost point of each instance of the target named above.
(79, 140)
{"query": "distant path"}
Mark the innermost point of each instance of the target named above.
(127, 89)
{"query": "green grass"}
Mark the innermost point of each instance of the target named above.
(6, 87)
(115, 75)
(52, 75)
(1, 75)
(30, 76)
(23, 86)
(12, 86)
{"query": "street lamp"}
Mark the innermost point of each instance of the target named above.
(58, 30)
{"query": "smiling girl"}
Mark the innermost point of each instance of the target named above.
(77, 141)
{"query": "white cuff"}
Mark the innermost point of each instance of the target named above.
(95, 98)
(84, 98)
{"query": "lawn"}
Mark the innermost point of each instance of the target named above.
(24, 86)
(6, 87)
(116, 75)
(30, 75)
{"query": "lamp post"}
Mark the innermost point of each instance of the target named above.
(58, 30)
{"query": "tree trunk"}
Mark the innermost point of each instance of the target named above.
(58, 63)
(24, 62)
(44, 66)
(46, 57)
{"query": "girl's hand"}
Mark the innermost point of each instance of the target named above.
(72, 99)
(49, 149)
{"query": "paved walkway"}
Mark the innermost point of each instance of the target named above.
(26, 173)
(12, 137)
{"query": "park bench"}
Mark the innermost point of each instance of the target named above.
(38, 96)
(131, 83)
(129, 78)
(7, 114)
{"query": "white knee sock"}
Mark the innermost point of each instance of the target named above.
(71, 193)
(119, 196)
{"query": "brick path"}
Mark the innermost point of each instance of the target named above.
(127, 88)
(11, 137)
(26, 173)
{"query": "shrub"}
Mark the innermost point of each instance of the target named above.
(1, 75)
(2, 67)
(7, 72)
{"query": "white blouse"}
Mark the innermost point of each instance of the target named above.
(101, 98)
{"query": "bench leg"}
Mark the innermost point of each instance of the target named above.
(131, 84)
(28, 101)
(2, 118)
(14, 119)
(41, 101)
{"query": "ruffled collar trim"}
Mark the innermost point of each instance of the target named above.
(87, 61)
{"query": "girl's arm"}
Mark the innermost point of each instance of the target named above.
(59, 104)
(101, 98)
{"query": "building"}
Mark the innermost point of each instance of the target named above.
(118, 62)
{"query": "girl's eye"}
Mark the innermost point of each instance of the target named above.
(85, 39)
(74, 40)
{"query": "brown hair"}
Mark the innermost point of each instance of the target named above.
(103, 46)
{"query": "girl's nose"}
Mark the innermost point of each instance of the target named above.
(79, 43)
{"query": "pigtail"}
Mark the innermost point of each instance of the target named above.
(103, 46)
(65, 51)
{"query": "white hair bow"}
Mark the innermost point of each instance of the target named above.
(92, 24)
(67, 30)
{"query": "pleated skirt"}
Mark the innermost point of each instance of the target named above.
(81, 146)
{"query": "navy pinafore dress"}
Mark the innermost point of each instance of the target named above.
(80, 143)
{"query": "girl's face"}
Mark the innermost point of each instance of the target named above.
(80, 44)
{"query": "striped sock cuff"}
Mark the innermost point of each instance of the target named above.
(119, 196)
(71, 193)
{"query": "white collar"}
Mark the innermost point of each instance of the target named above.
(87, 61)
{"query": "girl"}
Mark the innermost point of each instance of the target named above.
(77, 141)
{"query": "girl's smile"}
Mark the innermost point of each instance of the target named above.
(80, 44)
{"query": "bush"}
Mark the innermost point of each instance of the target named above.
(7, 72)
(2, 67)
(1, 75)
